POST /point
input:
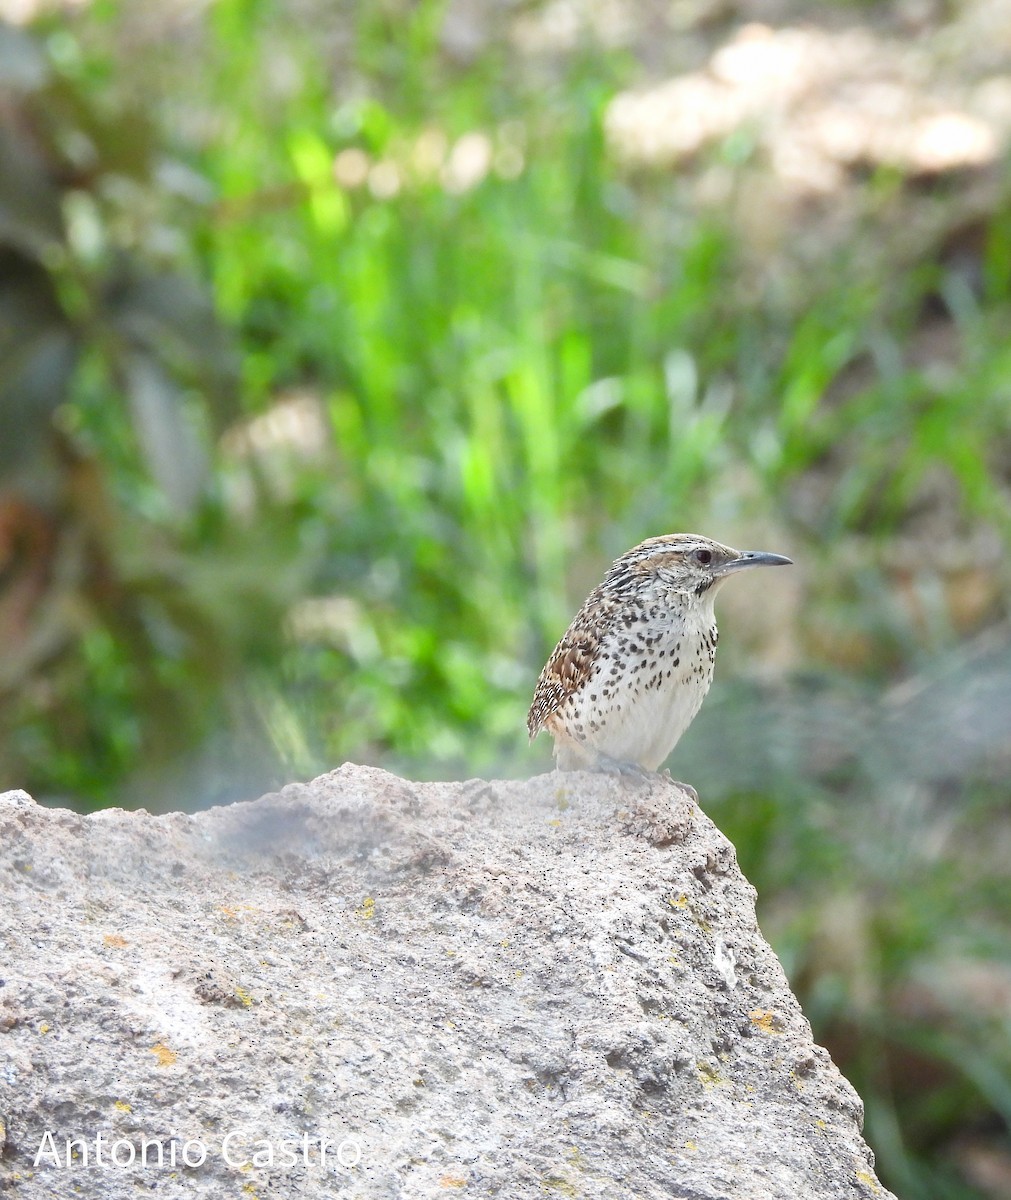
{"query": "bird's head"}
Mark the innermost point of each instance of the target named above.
(687, 562)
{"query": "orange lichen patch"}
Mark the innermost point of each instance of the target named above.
(115, 940)
(452, 1181)
(232, 912)
(764, 1019)
(164, 1055)
(556, 1183)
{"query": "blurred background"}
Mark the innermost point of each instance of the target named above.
(343, 345)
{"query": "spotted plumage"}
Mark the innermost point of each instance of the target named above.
(633, 668)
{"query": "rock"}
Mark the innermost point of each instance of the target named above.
(517, 990)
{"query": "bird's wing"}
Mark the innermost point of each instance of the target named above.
(570, 665)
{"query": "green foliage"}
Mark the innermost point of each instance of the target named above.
(133, 599)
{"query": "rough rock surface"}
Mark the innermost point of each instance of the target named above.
(480, 989)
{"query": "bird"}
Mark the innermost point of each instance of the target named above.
(630, 673)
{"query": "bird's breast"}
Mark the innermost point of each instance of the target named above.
(646, 687)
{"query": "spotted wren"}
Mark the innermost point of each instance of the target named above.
(632, 670)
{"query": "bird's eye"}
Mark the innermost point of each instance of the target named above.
(704, 557)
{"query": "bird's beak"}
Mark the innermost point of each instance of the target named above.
(753, 558)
